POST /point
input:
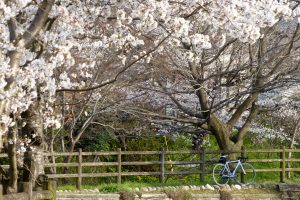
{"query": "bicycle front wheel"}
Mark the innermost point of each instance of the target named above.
(247, 177)
(220, 174)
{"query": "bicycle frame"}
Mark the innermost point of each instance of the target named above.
(227, 170)
(232, 174)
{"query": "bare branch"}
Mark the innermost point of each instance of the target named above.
(218, 53)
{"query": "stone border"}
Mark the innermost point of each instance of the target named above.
(186, 188)
(155, 196)
(214, 192)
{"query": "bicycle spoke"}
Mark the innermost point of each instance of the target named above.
(220, 174)
(249, 175)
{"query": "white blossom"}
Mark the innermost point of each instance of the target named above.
(83, 33)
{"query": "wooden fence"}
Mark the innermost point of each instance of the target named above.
(201, 163)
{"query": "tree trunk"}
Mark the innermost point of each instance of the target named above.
(35, 131)
(62, 130)
(12, 155)
(221, 130)
(222, 135)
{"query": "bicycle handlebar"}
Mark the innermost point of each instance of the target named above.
(241, 158)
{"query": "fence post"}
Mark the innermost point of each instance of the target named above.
(1, 192)
(79, 179)
(28, 189)
(243, 154)
(119, 166)
(162, 166)
(282, 165)
(51, 186)
(202, 164)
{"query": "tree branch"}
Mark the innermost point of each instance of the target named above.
(242, 133)
(218, 53)
(147, 113)
(38, 22)
(178, 104)
(118, 74)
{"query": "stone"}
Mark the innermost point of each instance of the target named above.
(227, 186)
(209, 187)
(257, 186)
(249, 186)
(217, 187)
(244, 186)
(222, 186)
(185, 187)
(238, 187)
(198, 188)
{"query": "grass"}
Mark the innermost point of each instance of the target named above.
(112, 187)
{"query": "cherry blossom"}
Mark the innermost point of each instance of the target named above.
(79, 36)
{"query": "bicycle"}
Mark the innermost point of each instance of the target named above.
(222, 172)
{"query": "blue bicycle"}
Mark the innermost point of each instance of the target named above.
(238, 170)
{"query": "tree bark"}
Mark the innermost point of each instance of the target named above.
(12, 155)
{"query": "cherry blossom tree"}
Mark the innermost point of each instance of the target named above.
(216, 87)
(51, 47)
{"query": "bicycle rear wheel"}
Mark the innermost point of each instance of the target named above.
(220, 174)
(249, 175)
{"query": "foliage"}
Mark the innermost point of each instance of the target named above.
(178, 194)
(125, 195)
(225, 195)
(100, 141)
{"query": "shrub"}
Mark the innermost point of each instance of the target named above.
(125, 195)
(178, 195)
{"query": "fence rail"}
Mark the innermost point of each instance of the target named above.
(202, 163)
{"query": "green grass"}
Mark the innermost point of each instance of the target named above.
(114, 187)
